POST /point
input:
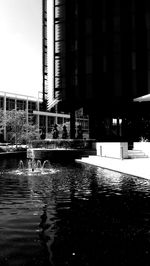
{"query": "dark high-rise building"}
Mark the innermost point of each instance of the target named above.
(102, 63)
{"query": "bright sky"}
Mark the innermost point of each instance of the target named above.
(21, 46)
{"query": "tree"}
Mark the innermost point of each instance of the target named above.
(18, 130)
(1, 121)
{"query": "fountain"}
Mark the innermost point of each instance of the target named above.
(33, 168)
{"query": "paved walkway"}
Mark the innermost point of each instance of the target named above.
(139, 167)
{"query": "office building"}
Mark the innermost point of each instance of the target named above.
(102, 63)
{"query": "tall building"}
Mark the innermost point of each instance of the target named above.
(102, 63)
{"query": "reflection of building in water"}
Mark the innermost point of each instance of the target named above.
(44, 201)
(48, 232)
(56, 199)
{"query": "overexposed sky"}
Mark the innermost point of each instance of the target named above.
(21, 46)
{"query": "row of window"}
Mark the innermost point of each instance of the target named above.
(116, 42)
(118, 81)
(17, 104)
(116, 62)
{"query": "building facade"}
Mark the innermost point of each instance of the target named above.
(45, 121)
(102, 63)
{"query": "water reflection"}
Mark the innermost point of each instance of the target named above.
(79, 215)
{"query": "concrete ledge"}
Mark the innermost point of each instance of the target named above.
(112, 149)
(58, 154)
(13, 154)
(135, 167)
(64, 143)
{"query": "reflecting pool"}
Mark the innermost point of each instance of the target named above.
(74, 215)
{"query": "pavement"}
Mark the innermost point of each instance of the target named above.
(139, 167)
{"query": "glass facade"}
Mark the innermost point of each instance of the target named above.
(107, 58)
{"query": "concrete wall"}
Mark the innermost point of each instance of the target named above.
(112, 149)
(58, 154)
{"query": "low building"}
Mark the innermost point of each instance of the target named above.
(45, 120)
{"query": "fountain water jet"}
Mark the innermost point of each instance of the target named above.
(21, 165)
(34, 168)
(39, 164)
(45, 162)
(31, 165)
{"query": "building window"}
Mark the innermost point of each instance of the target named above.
(116, 23)
(133, 6)
(42, 121)
(1, 102)
(134, 87)
(117, 44)
(114, 121)
(148, 39)
(60, 120)
(31, 106)
(88, 8)
(89, 86)
(88, 26)
(133, 55)
(117, 61)
(89, 64)
(103, 25)
(10, 104)
(76, 80)
(104, 63)
(147, 20)
(76, 45)
(148, 56)
(133, 40)
(117, 84)
(116, 7)
(21, 105)
(89, 46)
(51, 122)
(133, 22)
(149, 81)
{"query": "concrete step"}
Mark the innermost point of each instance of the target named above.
(136, 154)
(135, 151)
(131, 155)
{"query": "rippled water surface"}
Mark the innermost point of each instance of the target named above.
(73, 215)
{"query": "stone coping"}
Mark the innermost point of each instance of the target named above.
(139, 167)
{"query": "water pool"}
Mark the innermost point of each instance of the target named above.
(74, 215)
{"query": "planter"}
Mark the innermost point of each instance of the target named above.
(112, 149)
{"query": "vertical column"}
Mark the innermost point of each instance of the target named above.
(5, 117)
(37, 117)
(27, 118)
(118, 128)
(15, 119)
(72, 124)
(15, 104)
(56, 117)
(46, 125)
